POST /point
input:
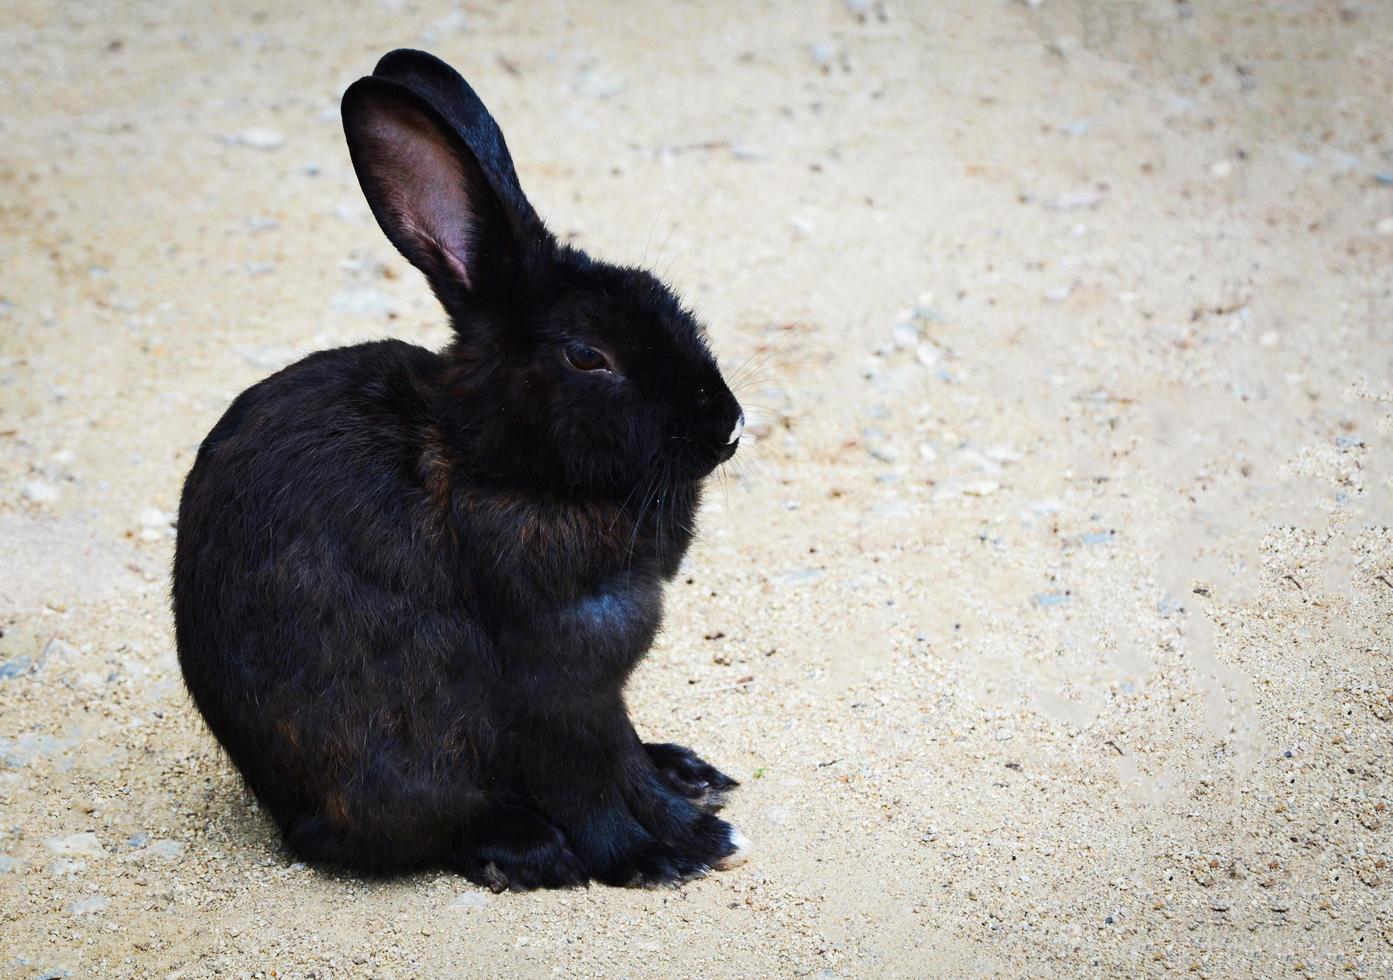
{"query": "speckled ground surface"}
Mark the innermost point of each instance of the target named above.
(1048, 620)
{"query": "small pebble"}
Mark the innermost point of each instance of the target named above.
(93, 903)
(258, 138)
(16, 667)
(893, 508)
(470, 900)
(981, 488)
(906, 336)
(364, 301)
(165, 849)
(822, 53)
(1081, 200)
(154, 517)
(40, 492)
(84, 844)
(266, 358)
(1385, 226)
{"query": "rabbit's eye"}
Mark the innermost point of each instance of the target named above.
(584, 358)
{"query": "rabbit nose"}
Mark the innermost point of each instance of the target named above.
(735, 432)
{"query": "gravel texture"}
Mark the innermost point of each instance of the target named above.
(1046, 618)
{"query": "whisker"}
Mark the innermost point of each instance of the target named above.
(662, 248)
(648, 239)
(673, 261)
(638, 522)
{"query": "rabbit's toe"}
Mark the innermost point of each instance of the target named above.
(519, 851)
(523, 872)
(690, 776)
(743, 846)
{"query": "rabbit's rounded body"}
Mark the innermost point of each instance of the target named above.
(409, 587)
(347, 601)
(323, 625)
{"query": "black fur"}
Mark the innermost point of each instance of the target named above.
(409, 587)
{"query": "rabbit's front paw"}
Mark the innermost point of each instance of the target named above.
(690, 776)
(707, 843)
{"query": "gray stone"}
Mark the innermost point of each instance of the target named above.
(1085, 199)
(364, 301)
(16, 667)
(258, 138)
(84, 844)
(90, 904)
(165, 848)
(267, 358)
(798, 576)
(40, 492)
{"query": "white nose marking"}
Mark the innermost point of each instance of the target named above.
(735, 432)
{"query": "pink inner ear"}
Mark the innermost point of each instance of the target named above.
(426, 186)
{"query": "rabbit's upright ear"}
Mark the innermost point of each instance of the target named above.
(427, 188)
(451, 96)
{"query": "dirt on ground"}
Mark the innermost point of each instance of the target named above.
(1045, 615)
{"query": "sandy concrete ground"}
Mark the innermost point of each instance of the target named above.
(1047, 623)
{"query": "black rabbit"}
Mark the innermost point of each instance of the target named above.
(409, 586)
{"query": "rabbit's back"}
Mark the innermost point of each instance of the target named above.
(321, 628)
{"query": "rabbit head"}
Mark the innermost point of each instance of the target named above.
(565, 371)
